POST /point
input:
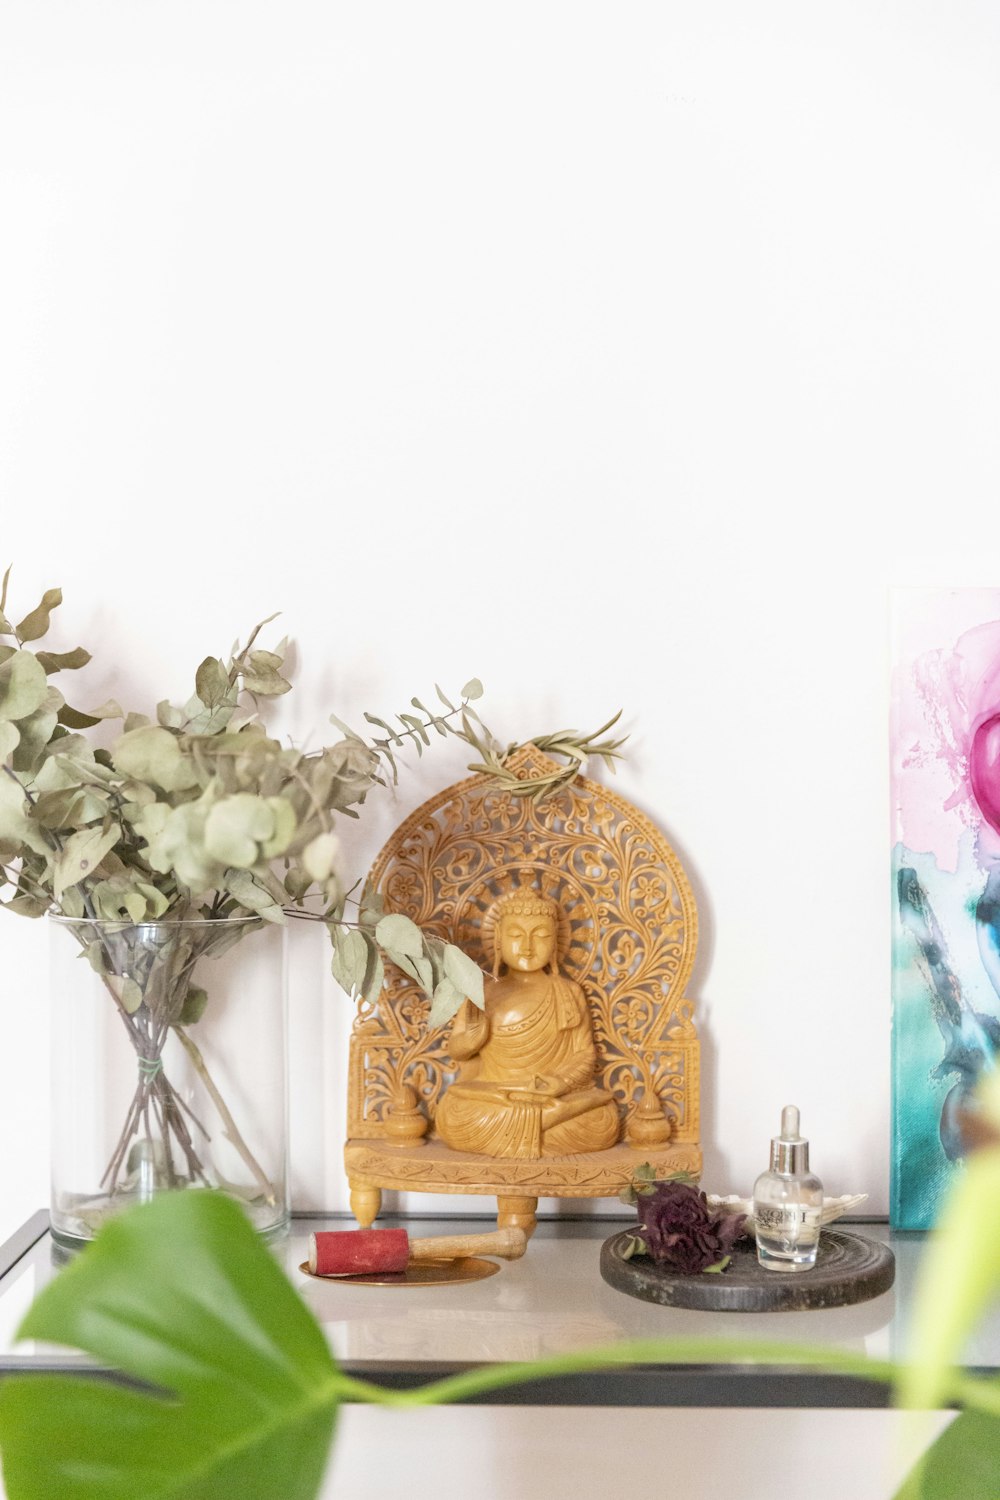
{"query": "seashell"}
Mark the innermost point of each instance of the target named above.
(833, 1208)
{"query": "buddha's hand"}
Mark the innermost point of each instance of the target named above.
(537, 1090)
(469, 1031)
(524, 1095)
(550, 1084)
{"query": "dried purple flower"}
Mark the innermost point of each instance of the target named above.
(680, 1231)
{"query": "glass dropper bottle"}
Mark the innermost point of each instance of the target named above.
(787, 1202)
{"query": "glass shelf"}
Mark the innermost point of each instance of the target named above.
(551, 1301)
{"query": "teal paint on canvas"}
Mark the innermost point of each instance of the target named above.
(946, 884)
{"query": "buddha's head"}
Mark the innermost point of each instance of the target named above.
(525, 933)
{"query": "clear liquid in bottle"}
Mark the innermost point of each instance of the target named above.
(788, 1202)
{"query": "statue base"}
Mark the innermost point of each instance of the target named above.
(375, 1165)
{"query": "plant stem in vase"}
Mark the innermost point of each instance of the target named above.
(140, 1106)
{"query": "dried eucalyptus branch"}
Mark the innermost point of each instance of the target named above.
(199, 813)
(417, 730)
(463, 722)
(568, 745)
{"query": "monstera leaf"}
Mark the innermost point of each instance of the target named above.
(181, 1295)
(962, 1463)
(240, 1392)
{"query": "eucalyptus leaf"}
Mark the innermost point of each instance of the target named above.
(417, 725)
(473, 689)
(36, 731)
(398, 935)
(175, 843)
(262, 680)
(194, 1005)
(297, 882)
(154, 754)
(15, 826)
(131, 996)
(23, 687)
(345, 729)
(71, 903)
(27, 905)
(135, 905)
(319, 855)
(464, 973)
(211, 681)
(446, 1001)
(81, 854)
(350, 958)
(181, 1295)
(213, 720)
(169, 716)
(234, 827)
(62, 661)
(34, 626)
(254, 896)
(374, 974)
(267, 661)
(418, 968)
(96, 957)
(283, 827)
(9, 737)
(372, 905)
(69, 762)
(74, 718)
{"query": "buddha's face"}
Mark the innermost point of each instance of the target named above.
(527, 943)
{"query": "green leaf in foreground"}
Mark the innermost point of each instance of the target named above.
(959, 1276)
(961, 1463)
(181, 1294)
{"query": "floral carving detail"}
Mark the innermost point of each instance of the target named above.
(628, 936)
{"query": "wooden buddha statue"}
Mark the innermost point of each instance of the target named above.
(526, 1084)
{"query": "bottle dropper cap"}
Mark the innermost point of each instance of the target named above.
(789, 1150)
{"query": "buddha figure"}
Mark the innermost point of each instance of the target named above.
(526, 1085)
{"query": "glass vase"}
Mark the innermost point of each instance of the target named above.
(169, 1067)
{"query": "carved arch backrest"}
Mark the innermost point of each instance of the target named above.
(628, 936)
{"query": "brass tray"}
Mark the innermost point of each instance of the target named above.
(423, 1273)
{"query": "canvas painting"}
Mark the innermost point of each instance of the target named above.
(946, 884)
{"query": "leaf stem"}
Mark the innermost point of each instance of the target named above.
(964, 1390)
(231, 1130)
(638, 1352)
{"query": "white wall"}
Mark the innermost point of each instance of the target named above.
(623, 355)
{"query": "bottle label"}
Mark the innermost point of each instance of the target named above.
(785, 1217)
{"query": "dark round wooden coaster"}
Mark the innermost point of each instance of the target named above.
(849, 1268)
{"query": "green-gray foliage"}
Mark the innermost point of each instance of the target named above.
(196, 813)
(200, 813)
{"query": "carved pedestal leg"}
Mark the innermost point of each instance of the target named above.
(517, 1213)
(365, 1203)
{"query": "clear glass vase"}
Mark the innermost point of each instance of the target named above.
(169, 1067)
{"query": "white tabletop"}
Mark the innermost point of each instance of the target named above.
(553, 1300)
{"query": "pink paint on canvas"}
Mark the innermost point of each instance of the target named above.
(951, 694)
